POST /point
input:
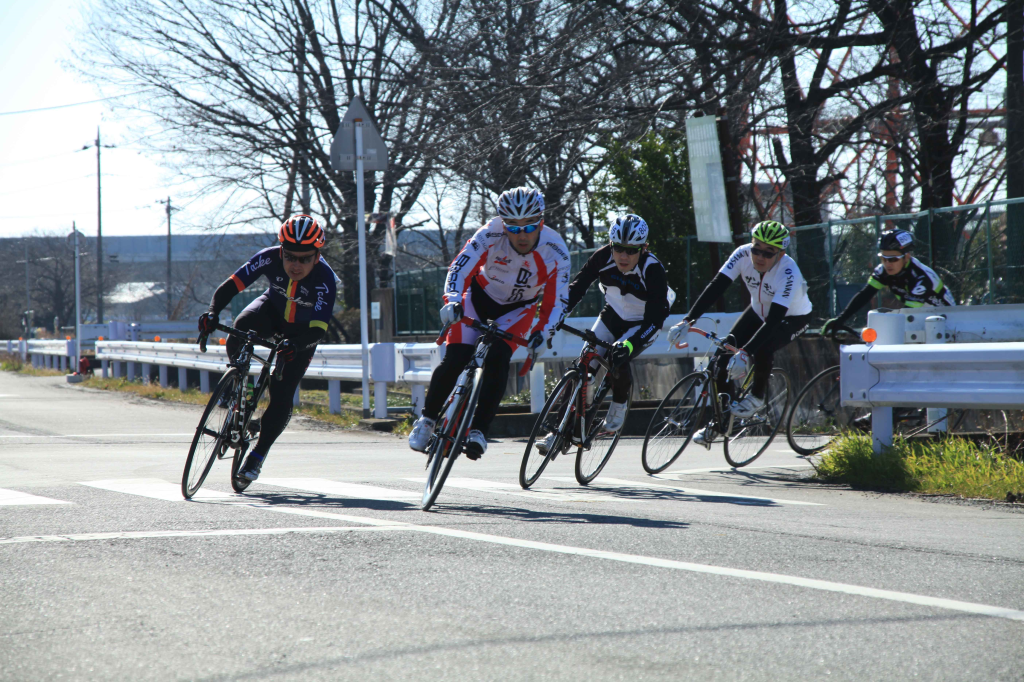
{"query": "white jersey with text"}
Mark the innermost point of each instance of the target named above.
(509, 277)
(783, 284)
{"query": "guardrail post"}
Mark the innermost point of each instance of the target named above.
(63, 363)
(147, 370)
(935, 332)
(163, 375)
(182, 379)
(204, 380)
(334, 396)
(380, 399)
(23, 348)
(295, 398)
(537, 397)
(131, 371)
(419, 394)
(892, 330)
(105, 365)
(115, 366)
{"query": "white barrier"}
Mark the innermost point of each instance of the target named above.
(51, 353)
(967, 324)
(887, 374)
(19, 346)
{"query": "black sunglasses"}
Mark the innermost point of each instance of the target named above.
(305, 260)
(763, 254)
(628, 250)
(890, 259)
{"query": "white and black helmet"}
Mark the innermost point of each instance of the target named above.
(629, 230)
(520, 202)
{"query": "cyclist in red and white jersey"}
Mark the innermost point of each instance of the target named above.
(509, 268)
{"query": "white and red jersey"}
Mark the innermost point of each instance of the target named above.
(509, 277)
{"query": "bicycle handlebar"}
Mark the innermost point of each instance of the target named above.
(710, 336)
(587, 335)
(231, 331)
(492, 330)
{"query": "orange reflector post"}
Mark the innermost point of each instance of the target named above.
(869, 335)
(222, 341)
(99, 338)
(157, 339)
(67, 338)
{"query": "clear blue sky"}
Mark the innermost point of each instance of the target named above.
(44, 182)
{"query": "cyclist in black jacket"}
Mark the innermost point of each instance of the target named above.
(913, 283)
(637, 301)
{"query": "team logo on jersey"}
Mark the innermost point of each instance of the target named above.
(919, 290)
(502, 260)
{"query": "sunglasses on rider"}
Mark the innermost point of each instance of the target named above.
(516, 229)
(305, 260)
(890, 259)
(762, 253)
(628, 250)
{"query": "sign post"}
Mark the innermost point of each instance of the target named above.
(357, 146)
(710, 207)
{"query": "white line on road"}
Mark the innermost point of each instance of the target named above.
(142, 534)
(556, 494)
(732, 469)
(688, 491)
(156, 489)
(16, 497)
(328, 487)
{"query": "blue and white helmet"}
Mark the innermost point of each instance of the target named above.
(629, 230)
(520, 202)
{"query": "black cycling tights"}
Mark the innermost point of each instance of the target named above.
(282, 391)
(495, 378)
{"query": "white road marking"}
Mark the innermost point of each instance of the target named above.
(556, 494)
(695, 491)
(138, 535)
(16, 497)
(731, 469)
(8, 395)
(157, 489)
(149, 488)
(328, 487)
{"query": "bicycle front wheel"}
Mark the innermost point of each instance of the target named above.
(548, 421)
(678, 417)
(818, 416)
(591, 460)
(749, 437)
(211, 439)
(449, 437)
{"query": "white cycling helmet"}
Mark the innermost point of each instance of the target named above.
(629, 230)
(520, 202)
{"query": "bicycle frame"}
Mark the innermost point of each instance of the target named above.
(577, 401)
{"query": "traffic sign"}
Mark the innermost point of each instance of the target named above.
(343, 147)
(710, 210)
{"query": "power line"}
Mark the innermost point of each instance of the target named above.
(65, 106)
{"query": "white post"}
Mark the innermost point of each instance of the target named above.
(334, 396)
(361, 229)
(295, 398)
(380, 399)
(78, 303)
(131, 371)
(146, 372)
(105, 364)
(163, 375)
(891, 329)
(419, 394)
(204, 380)
(182, 378)
(935, 332)
(537, 397)
(116, 367)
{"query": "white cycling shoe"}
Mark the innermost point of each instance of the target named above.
(705, 436)
(616, 415)
(544, 446)
(747, 407)
(476, 444)
(420, 435)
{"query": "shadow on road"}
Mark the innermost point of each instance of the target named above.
(292, 498)
(518, 514)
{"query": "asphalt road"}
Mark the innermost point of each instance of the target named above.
(327, 569)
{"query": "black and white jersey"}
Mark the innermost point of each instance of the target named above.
(914, 286)
(640, 295)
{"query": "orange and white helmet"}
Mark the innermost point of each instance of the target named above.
(301, 233)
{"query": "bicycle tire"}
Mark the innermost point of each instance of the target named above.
(207, 443)
(441, 459)
(747, 439)
(589, 463)
(532, 466)
(679, 415)
(818, 415)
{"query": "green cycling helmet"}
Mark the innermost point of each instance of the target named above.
(772, 233)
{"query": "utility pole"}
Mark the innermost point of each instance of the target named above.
(303, 147)
(99, 226)
(167, 206)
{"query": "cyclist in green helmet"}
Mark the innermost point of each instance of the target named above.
(779, 311)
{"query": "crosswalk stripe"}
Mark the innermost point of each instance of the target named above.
(156, 489)
(343, 489)
(16, 497)
(557, 494)
(687, 491)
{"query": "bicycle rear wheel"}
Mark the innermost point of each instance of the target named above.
(678, 417)
(590, 461)
(547, 422)
(818, 416)
(449, 436)
(211, 434)
(748, 437)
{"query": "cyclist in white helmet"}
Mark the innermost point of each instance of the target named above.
(637, 301)
(779, 311)
(509, 268)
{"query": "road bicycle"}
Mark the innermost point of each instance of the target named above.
(698, 400)
(451, 428)
(572, 419)
(818, 415)
(227, 425)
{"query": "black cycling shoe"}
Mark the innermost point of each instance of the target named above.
(250, 470)
(254, 426)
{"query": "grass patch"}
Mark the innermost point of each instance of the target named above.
(946, 466)
(154, 391)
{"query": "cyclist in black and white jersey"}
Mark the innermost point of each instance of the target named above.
(779, 311)
(637, 301)
(913, 283)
